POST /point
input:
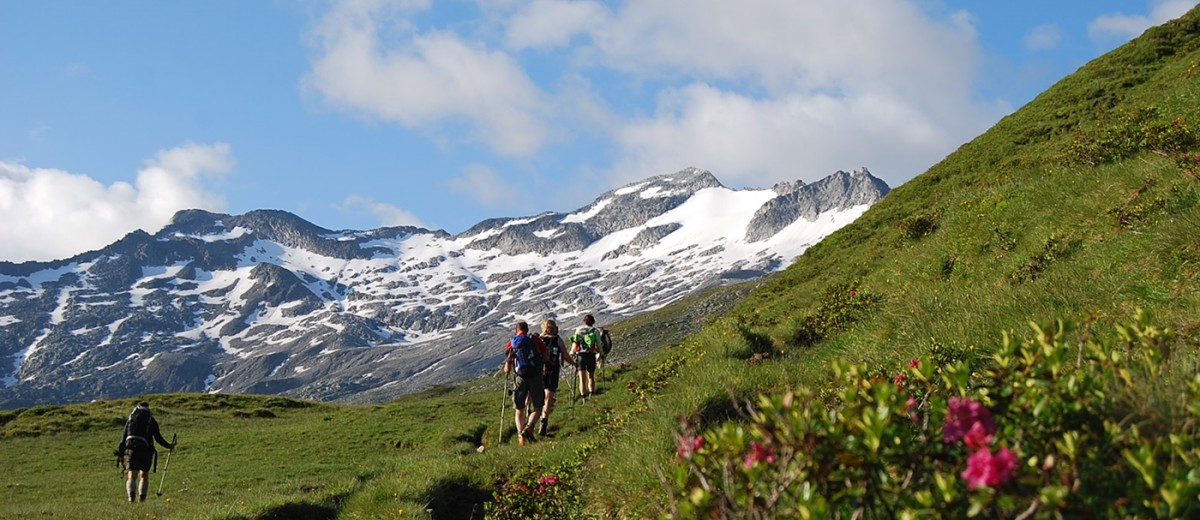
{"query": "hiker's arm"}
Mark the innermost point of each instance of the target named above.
(508, 358)
(566, 354)
(158, 437)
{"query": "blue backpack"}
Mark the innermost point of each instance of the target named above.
(529, 361)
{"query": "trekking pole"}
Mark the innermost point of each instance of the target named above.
(503, 399)
(574, 390)
(167, 464)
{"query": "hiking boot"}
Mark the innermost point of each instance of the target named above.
(527, 436)
(542, 429)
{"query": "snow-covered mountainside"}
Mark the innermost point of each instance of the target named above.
(268, 303)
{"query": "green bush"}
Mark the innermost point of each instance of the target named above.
(1046, 429)
(534, 492)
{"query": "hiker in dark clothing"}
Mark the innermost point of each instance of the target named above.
(526, 354)
(557, 356)
(137, 445)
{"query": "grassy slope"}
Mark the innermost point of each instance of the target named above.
(1037, 178)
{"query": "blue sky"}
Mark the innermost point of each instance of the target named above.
(363, 113)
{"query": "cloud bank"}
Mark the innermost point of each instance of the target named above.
(52, 214)
(756, 91)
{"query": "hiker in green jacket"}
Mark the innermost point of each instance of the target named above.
(526, 354)
(558, 355)
(585, 343)
(137, 445)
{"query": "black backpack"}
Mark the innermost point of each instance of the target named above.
(605, 342)
(529, 361)
(137, 429)
(551, 342)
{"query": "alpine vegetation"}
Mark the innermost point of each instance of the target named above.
(268, 303)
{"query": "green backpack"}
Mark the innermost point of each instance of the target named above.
(586, 339)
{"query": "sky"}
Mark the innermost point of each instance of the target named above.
(358, 114)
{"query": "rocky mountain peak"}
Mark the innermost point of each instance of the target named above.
(268, 302)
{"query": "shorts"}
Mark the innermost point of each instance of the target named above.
(587, 361)
(139, 460)
(531, 389)
(550, 379)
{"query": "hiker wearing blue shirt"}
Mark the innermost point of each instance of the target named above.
(558, 355)
(526, 353)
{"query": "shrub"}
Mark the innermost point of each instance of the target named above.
(915, 227)
(534, 492)
(841, 306)
(1047, 429)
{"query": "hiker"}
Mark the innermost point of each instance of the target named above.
(585, 343)
(137, 445)
(558, 354)
(525, 353)
(605, 349)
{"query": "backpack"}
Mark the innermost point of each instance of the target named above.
(605, 342)
(137, 429)
(524, 349)
(586, 340)
(551, 342)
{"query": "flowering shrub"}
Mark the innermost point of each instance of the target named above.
(534, 492)
(1045, 429)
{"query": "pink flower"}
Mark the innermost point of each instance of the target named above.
(977, 438)
(550, 480)
(912, 408)
(900, 379)
(916, 362)
(986, 469)
(688, 446)
(853, 293)
(758, 453)
(962, 414)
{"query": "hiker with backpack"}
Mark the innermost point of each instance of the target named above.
(605, 349)
(557, 355)
(137, 446)
(585, 344)
(526, 353)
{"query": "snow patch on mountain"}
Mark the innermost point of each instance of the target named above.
(268, 303)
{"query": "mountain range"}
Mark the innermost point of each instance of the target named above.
(269, 303)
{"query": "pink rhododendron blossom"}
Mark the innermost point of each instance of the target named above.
(690, 445)
(962, 414)
(987, 469)
(978, 437)
(913, 406)
(758, 453)
(900, 379)
(916, 362)
(550, 480)
(853, 293)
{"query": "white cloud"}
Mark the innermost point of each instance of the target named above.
(387, 214)
(1043, 37)
(758, 91)
(776, 90)
(553, 23)
(53, 214)
(755, 142)
(1124, 27)
(483, 185)
(372, 61)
